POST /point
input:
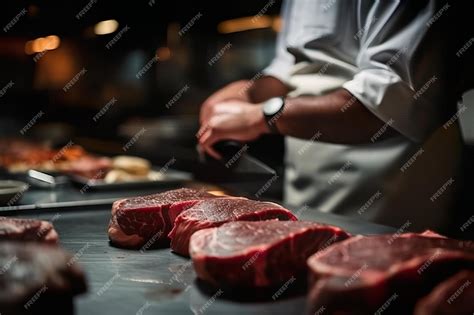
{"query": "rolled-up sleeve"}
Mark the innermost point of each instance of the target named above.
(401, 71)
(282, 65)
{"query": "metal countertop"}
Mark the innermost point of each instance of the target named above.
(157, 281)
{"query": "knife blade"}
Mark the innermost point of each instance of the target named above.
(236, 161)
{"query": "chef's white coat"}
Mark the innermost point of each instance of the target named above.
(383, 54)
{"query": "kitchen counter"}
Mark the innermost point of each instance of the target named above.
(156, 281)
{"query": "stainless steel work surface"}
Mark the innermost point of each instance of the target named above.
(156, 281)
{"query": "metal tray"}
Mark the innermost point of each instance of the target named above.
(156, 281)
(171, 177)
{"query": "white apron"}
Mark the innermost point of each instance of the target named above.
(389, 55)
(395, 181)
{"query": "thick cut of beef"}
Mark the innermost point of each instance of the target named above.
(27, 230)
(215, 212)
(147, 220)
(383, 274)
(37, 279)
(453, 296)
(258, 254)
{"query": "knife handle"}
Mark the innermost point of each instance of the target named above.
(228, 148)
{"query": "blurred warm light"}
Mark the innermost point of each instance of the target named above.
(52, 42)
(217, 192)
(277, 23)
(106, 27)
(29, 47)
(57, 69)
(244, 24)
(163, 53)
(41, 44)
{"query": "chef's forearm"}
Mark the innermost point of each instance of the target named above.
(337, 117)
(265, 88)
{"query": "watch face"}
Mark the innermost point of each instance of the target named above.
(272, 106)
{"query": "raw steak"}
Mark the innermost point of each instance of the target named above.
(215, 212)
(27, 230)
(386, 273)
(147, 220)
(258, 254)
(37, 279)
(453, 296)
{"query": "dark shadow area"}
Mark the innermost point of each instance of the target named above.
(253, 294)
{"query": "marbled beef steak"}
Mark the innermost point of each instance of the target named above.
(147, 220)
(37, 279)
(215, 212)
(27, 230)
(383, 274)
(258, 254)
(453, 296)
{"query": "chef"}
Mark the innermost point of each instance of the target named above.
(359, 90)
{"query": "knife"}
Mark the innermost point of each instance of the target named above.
(236, 162)
(43, 177)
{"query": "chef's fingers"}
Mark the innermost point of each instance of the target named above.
(205, 113)
(204, 135)
(207, 140)
(207, 107)
(202, 130)
(213, 153)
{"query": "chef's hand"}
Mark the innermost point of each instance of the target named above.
(237, 91)
(231, 120)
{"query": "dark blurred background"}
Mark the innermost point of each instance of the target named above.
(101, 73)
(98, 72)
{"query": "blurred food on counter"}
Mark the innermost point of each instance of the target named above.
(20, 156)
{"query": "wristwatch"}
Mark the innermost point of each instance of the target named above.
(272, 110)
